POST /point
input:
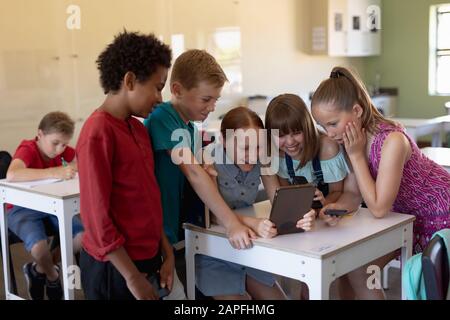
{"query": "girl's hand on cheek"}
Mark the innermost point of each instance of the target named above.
(354, 140)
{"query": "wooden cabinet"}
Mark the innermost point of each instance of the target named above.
(346, 28)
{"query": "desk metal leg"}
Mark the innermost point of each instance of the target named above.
(190, 263)
(319, 287)
(436, 139)
(65, 235)
(406, 252)
(5, 246)
(319, 275)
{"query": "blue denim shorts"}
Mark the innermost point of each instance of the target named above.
(29, 225)
(216, 277)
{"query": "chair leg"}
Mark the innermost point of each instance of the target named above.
(386, 277)
(392, 264)
(13, 275)
(77, 258)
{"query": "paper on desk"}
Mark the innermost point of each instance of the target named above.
(32, 184)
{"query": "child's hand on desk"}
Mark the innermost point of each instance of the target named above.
(266, 228)
(240, 236)
(64, 173)
(141, 288)
(330, 220)
(307, 222)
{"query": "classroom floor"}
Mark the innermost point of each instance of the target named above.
(20, 257)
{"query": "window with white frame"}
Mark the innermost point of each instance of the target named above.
(439, 69)
(225, 46)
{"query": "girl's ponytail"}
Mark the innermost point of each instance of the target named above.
(344, 89)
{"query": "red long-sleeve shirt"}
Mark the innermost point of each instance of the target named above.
(120, 202)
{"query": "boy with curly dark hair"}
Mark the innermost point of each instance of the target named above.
(121, 209)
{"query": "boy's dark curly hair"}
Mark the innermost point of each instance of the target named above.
(134, 52)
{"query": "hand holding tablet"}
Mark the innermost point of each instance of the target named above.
(290, 205)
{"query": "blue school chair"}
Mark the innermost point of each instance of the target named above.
(435, 268)
(426, 274)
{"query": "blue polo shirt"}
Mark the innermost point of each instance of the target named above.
(163, 126)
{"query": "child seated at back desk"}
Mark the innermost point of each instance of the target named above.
(46, 156)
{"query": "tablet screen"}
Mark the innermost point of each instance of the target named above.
(290, 204)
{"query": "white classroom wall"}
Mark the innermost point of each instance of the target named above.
(44, 66)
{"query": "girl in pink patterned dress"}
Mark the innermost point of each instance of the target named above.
(390, 170)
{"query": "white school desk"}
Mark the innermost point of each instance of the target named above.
(439, 155)
(421, 127)
(61, 199)
(317, 257)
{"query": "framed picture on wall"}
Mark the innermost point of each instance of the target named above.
(356, 23)
(338, 22)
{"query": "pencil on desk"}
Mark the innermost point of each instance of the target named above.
(64, 163)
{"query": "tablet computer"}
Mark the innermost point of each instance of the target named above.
(316, 204)
(289, 205)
